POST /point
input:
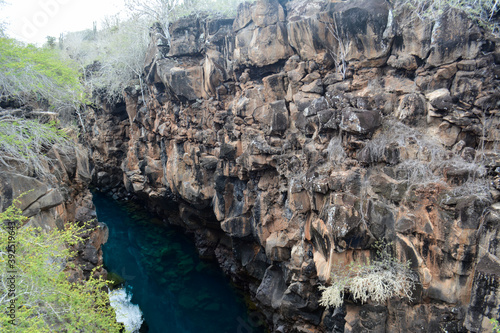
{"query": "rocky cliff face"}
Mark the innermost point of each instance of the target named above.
(60, 196)
(296, 135)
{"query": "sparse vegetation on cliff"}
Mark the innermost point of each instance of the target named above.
(340, 54)
(110, 58)
(24, 144)
(113, 58)
(424, 160)
(485, 12)
(39, 76)
(166, 11)
(35, 289)
(378, 280)
(496, 325)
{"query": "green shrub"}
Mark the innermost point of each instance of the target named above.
(496, 325)
(29, 73)
(39, 296)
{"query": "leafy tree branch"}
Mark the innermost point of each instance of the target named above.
(44, 300)
(31, 74)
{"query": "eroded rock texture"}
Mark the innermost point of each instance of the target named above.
(286, 163)
(59, 197)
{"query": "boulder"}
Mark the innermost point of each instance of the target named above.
(411, 108)
(452, 41)
(279, 122)
(465, 87)
(366, 41)
(406, 61)
(13, 185)
(277, 248)
(440, 99)
(186, 37)
(274, 87)
(314, 87)
(184, 82)
(214, 71)
(261, 46)
(360, 122)
(52, 198)
(317, 105)
(267, 12)
(412, 37)
(272, 287)
(261, 36)
(239, 226)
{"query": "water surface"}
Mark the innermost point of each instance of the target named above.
(176, 290)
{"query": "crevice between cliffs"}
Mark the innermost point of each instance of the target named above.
(160, 270)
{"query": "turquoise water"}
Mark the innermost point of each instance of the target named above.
(176, 290)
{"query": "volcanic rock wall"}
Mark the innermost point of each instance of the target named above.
(58, 197)
(296, 135)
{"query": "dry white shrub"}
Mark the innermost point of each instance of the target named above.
(379, 280)
(332, 296)
(24, 145)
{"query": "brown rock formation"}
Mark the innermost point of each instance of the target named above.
(284, 165)
(60, 197)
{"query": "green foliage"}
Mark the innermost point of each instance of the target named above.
(496, 325)
(24, 143)
(44, 299)
(51, 42)
(379, 280)
(482, 11)
(30, 73)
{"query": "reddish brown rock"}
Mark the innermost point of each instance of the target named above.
(291, 166)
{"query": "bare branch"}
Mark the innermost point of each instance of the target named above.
(340, 54)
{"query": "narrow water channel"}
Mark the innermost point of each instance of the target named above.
(175, 290)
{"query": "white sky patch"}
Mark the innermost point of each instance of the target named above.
(33, 20)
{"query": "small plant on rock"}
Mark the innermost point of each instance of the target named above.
(378, 280)
(496, 325)
(35, 293)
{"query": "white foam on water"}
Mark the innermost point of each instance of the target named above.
(126, 312)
